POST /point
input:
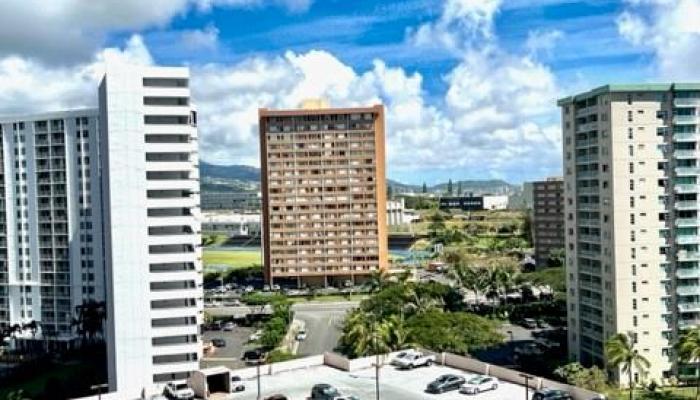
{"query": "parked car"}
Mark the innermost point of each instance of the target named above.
(324, 391)
(253, 356)
(301, 335)
(229, 326)
(248, 289)
(218, 342)
(445, 383)
(551, 394)
(255, 336)
(528, 349)
(529, 323)
(547, 343)
(237, 384)
(401, 355)
(178, 391)
(478, 384)
(414, 359)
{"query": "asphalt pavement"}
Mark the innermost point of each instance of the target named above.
(323, 328)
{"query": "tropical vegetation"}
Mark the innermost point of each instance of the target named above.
(621, 354)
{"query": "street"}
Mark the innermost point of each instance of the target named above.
(323, 326)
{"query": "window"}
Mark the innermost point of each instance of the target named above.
(165, 82)
(632, 202)
(631, 219)
(630, 133)
(629, 116)
(631, 150)
(631, 184)
(631, 168)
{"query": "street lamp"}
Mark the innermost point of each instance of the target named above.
(99, 389)
(527, 384)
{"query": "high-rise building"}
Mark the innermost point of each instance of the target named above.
(50, 222)
(547, 218)
(152, 234)
(631, 208)
(324, 195)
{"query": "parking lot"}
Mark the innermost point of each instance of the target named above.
(229, 355)
(394, 384)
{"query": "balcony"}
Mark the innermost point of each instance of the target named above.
(686, 188)
(589, 238)
(589, 222)
(685, 154)
(686, 119)
(686, 137)
(685, 171)
(687, 205)
(586, 143)
(689, 307)
(589, 253)
(587, 159)
(686, 102)
(688, 290)
(687, 222)
(588, 190)
(587, 174)
(688, 239)
(589, 126)
(688, 255)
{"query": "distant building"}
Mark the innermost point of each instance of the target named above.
(474, 203)
(231, 201)
(324, 195)
(231, 224)
(547, 218)
(397, 214)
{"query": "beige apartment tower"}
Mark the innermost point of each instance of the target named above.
(547, 218)
(631, 168)
(323, 195)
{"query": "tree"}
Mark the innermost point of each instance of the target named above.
(588, 378)
(455, 332)
(620, 353)
(89, 319)
(556, 257)
(449, 187)
(688, 349)
(425, 188)
(470, 278)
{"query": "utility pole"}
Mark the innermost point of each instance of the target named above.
(257, 366)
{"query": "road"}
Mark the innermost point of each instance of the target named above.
(323, 327)
(296, 307)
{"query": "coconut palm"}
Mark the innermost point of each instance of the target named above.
(470, 278)
(378, 280)
(620, 353)
(688, 349)
(89, 319)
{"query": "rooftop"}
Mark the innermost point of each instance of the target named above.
(641, 87)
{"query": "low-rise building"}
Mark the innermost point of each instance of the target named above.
(397, 214)
(231, 224)
(474, 203)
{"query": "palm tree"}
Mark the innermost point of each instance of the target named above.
(470, 278)
(89, 319)
(419, 304)
(688, 349)
(397, 332)
(620, 353)
(378, 280)
(365, 334)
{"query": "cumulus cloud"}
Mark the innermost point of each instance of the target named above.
(197, 39)
(669, 30)
(70, 31)
(496, 118)
(542, 41)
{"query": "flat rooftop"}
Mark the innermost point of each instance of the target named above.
(394, 384)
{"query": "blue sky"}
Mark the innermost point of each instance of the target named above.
(469, 85)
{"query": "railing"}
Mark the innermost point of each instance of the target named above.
(686, 119)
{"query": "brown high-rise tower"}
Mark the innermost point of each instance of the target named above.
(324, 195)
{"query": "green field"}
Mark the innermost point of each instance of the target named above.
(231, 258)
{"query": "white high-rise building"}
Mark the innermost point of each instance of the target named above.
(152, 234)
(632, 198)
(50, 227)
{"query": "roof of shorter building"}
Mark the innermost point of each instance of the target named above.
(266, 112)
(638, 87)
(214, 370)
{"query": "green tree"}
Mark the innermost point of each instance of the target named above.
(455, 332)
(470, 278)
(688, 349)
(17, 395)
(449, 187)
(556, 258)
(89, 320)
(588, 378)
(620, 353)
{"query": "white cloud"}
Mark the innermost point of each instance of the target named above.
(71, 31)
(542, 41)
(198, 39)
(462, 24)
(668, 29)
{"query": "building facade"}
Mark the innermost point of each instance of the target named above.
(231, 201)
(547, 218)
(150, 182)
(51, 257)
(324, 195)
(474, 203)
(631, 209)
(231, 224)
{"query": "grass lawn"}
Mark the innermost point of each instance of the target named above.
(328, 298)
(683, 393)
(231, 258)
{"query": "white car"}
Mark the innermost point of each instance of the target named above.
(479, 383)
(237, 384)
(413, 359)
(228, 327)
(255, 336)
(179, 391)
(301, 335)
(401, 356)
